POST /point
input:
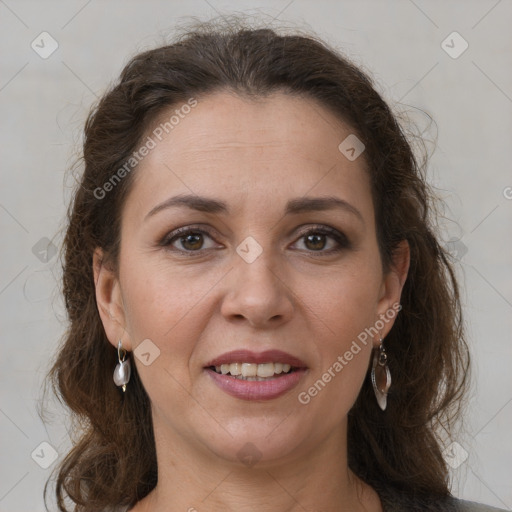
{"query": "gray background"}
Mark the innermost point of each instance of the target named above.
(44, 103)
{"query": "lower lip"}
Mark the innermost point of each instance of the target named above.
(256, 389)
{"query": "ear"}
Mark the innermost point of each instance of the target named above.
(109, 300)
(391, 289)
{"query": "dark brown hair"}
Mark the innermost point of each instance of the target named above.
(113, 460)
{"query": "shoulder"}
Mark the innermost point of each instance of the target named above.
(471, 506)
(399, 501)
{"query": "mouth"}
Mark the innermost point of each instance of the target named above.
(253, 371)
(256, 376)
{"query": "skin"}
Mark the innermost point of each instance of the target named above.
(254, 156)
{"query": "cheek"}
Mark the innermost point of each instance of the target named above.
(159, 296)
(346, 308)
(167, 307)
(345, 299)
(171, 305)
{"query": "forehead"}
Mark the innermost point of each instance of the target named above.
(276, 123)
(281, 144)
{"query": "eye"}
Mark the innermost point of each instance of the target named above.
(191, 239)
(317, 239)
(187, 239)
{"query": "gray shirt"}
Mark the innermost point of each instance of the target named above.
(406, 505)
(471, 506)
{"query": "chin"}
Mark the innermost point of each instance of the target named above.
(251, 441)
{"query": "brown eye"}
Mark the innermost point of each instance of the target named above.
(192, 242)
(187, 240)
(324, 240)
(315, 242)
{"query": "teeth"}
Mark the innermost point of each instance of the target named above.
(235, 369)
(265, 370)
(249, 370)
(253, 371)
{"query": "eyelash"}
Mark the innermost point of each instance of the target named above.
(340, 238)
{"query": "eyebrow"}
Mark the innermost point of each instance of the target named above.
(294, 206)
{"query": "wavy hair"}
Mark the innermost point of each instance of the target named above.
(113, 459)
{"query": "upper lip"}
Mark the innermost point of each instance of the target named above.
(247, 356)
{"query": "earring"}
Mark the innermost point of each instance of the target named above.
(123, 368)
(380, 375)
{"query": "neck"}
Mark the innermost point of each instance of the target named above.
(194, 481)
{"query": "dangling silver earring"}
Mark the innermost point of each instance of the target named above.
(381, 377)
(123, 368)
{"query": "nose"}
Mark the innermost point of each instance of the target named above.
(258, 294)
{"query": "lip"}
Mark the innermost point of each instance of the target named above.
(254, 389)
(257, 389)
(247, 356)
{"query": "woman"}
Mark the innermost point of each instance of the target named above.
(261, 317)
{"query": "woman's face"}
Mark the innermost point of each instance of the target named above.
(266, 264)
